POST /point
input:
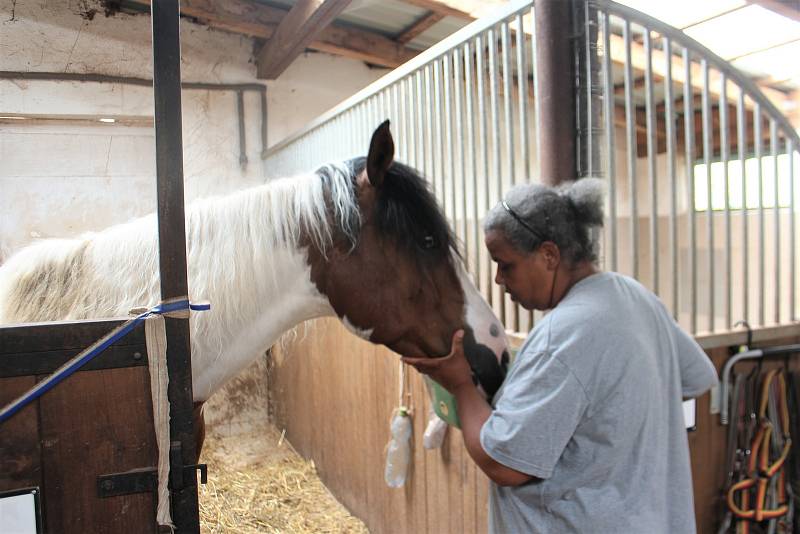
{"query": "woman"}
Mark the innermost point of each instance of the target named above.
(587, 432)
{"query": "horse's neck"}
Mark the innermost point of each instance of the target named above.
(259, 287)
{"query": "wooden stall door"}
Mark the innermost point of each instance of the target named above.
(96, 422)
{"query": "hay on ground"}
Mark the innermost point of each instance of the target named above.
(257, 483)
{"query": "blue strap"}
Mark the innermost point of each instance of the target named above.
(88, 354)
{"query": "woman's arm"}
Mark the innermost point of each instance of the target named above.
(454, 374)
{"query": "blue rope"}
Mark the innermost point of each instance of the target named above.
(87, 355)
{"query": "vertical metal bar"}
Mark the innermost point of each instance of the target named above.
(483, 136)
(669, 114)
(589, 80)
(652, 150)
(430, 106)
(497, 174)
(449, 180)
(610, 132)
(509, 126)
(411, 119)
(630, 130)
(172, 252)
(792, 240)
(473, 161)
(438, 161)
(688, 113)
(420, 108)
(773, 137)
(462, 191)
(522, 80)
(758, 138)
(710, 208)
(741, 138)
(725, 153)
(536, 105)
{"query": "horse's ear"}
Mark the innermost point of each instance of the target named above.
(381, 154)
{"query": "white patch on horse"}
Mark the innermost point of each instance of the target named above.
(363, 333)
(479, 316)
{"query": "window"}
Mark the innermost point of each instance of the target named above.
(735, 194)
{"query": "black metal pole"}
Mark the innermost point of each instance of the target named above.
(172, 256)
(556, 90)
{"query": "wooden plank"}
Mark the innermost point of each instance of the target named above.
(20, 451)
(97, 423)
(30, 338)
(418, 27)
(302, 24)
(253, 19)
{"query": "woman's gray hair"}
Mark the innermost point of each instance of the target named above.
(533, 213)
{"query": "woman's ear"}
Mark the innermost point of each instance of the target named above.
(551, 254)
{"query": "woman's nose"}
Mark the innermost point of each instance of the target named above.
(497, 278)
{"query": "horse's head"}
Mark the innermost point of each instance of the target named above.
(401, 283)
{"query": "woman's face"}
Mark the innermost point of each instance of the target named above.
(526, 277)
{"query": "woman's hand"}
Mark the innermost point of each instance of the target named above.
(452, 371)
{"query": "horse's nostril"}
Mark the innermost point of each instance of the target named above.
(504, 358)
(494, 330)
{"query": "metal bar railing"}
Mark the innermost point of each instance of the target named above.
(651, 159)
(460, 120)
(688, 134)
(609, 109)
(706, 116)
(632, 149)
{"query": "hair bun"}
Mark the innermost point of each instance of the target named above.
(587, 198)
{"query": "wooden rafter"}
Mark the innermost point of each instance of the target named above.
(787, 8)
(301, 25)
(253, 19)
(441, 8)
(418, 27)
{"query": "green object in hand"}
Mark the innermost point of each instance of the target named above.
(444, 404)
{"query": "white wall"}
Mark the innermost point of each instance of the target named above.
(67, 176)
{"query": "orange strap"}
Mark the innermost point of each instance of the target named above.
(759, 469)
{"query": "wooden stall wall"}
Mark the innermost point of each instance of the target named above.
(334, 395)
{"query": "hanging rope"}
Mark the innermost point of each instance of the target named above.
(156, 336)
(762, 492)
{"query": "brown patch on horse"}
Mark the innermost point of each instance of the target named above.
(199, 425)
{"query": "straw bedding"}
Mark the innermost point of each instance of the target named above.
(257, 483)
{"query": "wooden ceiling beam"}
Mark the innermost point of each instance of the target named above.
(418, 27)
(250, 18)
(302, 24)
(787, 8)
(441, 8)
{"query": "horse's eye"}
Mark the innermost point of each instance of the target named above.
(429, 242)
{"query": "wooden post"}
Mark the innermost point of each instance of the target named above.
(172, 256)
(556, 91)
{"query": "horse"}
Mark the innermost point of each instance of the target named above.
(363, 240)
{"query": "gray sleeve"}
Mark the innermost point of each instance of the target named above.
(536, 415)
(697, 372)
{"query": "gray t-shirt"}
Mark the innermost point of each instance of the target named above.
(592, 407)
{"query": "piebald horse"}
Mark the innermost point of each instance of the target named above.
(363, 240)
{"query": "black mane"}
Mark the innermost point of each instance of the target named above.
(408, 214)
